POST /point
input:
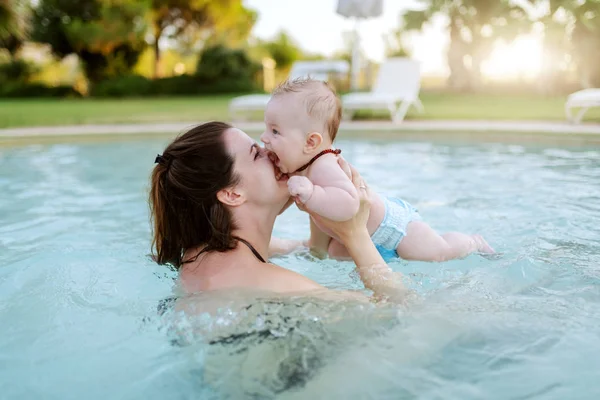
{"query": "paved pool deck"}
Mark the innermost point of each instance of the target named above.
(494, 130)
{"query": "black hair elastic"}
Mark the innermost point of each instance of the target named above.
(162, 160)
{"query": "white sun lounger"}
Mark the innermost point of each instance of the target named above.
(315, 69)
(396, 89)
(583, 99)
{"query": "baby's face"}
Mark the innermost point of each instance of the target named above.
(285, 133)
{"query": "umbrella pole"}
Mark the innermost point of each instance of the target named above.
(355, 57)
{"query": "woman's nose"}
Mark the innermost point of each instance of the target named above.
(263, 137)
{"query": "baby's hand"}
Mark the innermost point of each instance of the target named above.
(300, 187)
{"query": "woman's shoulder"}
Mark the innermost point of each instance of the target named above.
(215, 271)
(284, 280)
(209, 271)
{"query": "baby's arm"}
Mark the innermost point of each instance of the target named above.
(318, 243)
(327, 190)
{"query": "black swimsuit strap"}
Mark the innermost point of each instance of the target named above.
(252, 249)
(327, 151)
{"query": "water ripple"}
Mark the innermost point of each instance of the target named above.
(78, 292)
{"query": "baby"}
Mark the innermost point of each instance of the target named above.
(302, 120)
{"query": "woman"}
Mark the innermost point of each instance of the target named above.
(214, 198)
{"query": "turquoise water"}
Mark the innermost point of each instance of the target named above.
(78, 292)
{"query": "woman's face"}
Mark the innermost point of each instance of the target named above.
(258, 175)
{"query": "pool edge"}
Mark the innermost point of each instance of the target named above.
(540, 132)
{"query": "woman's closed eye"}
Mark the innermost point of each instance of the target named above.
(258, 152)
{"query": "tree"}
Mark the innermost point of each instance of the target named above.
(473, 27)
(107, 35)
(571, 35)
(554, 16)
(233, 26)
(12, 43)
(225, 69)
(586, 42)
(198, 20)
(394, 45)
(9, 19)
(283, 50)
(13, 25)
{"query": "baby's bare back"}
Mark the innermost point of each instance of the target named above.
(328, 173)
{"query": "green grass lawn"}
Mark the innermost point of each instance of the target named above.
(42, 112)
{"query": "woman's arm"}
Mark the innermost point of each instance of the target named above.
(326, 191)
(280, 247)
(373, 271)
(375, 274)
(319, 241)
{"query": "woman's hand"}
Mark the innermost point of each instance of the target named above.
(357, 224)
(375, 274)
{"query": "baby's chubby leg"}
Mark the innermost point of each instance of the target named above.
(422, 243)
(338, 251)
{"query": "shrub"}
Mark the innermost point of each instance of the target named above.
(16, 71)
(181, 85)
(28, 90)
(220, 70)
(124, 86)
(226, 70)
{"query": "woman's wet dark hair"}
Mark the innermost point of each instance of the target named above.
(184, 207)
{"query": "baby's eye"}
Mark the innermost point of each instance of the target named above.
(275, 132)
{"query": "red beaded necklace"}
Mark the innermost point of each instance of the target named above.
(332, 151)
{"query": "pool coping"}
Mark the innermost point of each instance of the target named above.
(494, 130)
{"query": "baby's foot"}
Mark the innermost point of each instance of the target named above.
(482, 245)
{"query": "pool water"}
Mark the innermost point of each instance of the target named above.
(79, 293)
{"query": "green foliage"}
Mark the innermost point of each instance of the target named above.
(123, 86)
(181, 85)
(117, 23)
(394, 46)
(190, 22)
(13, 24)
(586, 42)
(220, 70)
(16, 71)
(283, 50)
(192, 85)
(571, 38)
(219, 64)
(234, 26)
(34, 90)
(12, 19)
(571, 32)
(12, 43)
(6, 16)
(107, 35)
(474, 26)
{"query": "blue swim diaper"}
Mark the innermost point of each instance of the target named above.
(387, 237)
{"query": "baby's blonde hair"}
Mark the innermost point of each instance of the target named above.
(320, 99)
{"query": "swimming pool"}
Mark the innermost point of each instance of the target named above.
(78, 292)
